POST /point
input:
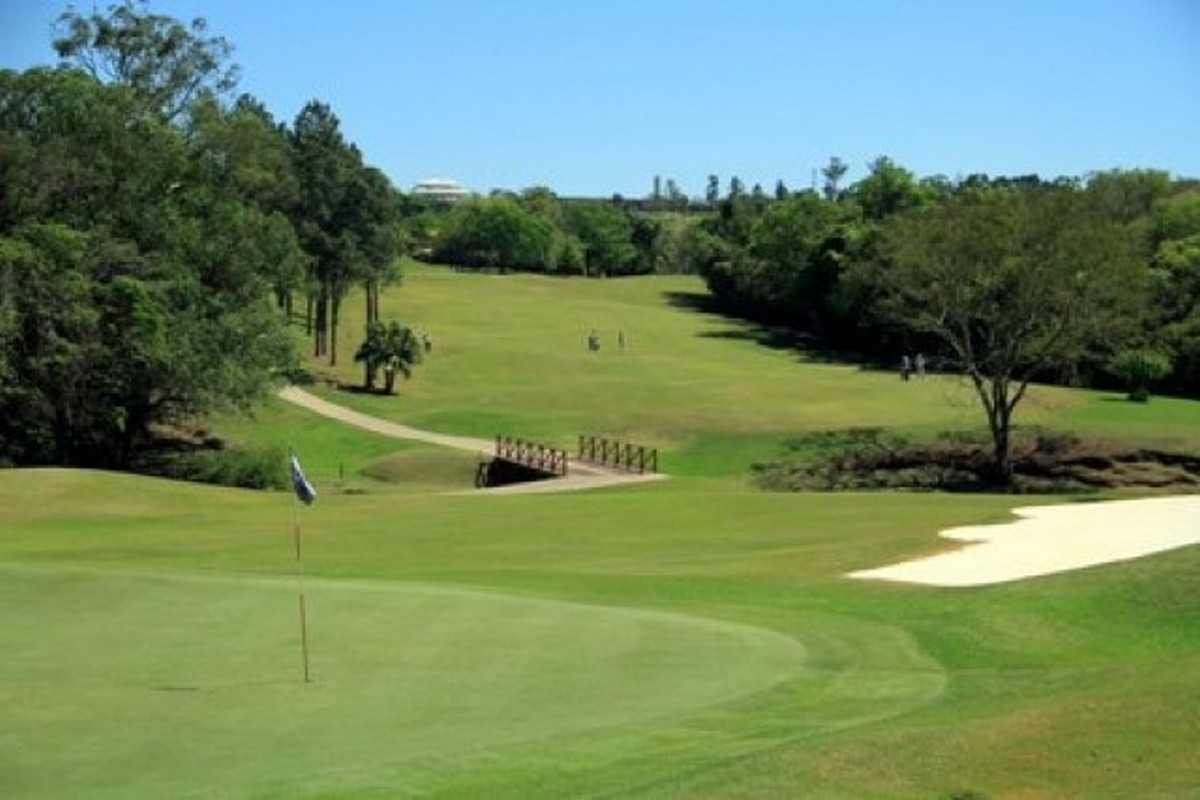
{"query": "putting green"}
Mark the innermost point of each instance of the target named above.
(193, 685)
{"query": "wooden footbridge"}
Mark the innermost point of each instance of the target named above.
(518, 460)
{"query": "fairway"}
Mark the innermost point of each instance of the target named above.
(175, 683)
(687, 638)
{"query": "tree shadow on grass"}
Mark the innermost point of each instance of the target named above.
(807, 348)
(702, 302)
(358, 388)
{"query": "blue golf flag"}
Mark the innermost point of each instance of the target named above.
(304, 489)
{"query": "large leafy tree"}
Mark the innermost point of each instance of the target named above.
(165, 63)
(800, 238)
(241, 153)
(606, 234)
(132, 289)
(887, 189)
(49, 329)
(1176, 274)
(83, 153)
(145, 225)
(789, 265)
(503, 233)
(1015, 285)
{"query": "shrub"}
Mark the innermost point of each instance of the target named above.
(1139, 369)
(259, 468)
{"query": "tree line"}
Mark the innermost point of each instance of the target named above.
(156, 236)
(835, 265)
(1092, 281)
(537, 231)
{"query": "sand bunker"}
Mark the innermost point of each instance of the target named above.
(1048, 539)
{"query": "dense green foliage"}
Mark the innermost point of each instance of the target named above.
(820, 264)
(497, 233)
(537, 231)
(246, 468)
(146, 227)
(1139, 369)
(1004, 281)
(134, 289)
(1013, 286)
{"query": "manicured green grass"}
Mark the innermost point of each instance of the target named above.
(509, 357)
(1164, 421)
(690, 638)
(342, 458)
(167, 615)
(178, 676)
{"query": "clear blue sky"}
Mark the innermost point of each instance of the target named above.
(597, 97)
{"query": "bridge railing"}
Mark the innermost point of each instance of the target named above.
(532, 454)
(617, 454)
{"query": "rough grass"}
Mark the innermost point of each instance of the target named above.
(531, 646)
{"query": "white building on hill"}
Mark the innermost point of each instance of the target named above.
(440, 190)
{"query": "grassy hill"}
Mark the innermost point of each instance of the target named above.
(510, 358)
(691, 638)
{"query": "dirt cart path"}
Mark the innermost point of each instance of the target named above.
(580, 476)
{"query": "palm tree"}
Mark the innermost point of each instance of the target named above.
(370, 352)
(401, 351)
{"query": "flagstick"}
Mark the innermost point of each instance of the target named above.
(300, 578)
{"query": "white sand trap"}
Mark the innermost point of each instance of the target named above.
(1048, 539)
